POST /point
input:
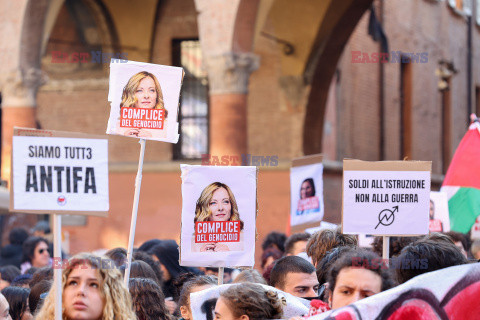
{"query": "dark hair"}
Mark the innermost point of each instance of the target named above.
(29, 247)
(285, 265)
(396, 245)
(118, 255)
(8, 273)
(34, 300)
(275, 238)
(21, 280)
(250, 275)
(148, 245)
(270, 252)
(18, 236)
(140, 269)
(360, 258)
(459, 237)
(293, 239)
(310, 181)
(253, 300)
(168, 255)
(430, 254)
(17, 298)
(45, 273)
(325, 240)
(148, 299)
(328, 260)
(145, 257)
(189, 285)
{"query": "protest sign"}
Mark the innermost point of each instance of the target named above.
(386, 198)
(203, 302)
(439, 221)
(218, 216)
(144, 100)
(306, 192)
(449, 293)
(59, 172)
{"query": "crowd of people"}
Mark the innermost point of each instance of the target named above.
(327, 267)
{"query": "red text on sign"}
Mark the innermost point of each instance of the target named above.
(142, 118)
(217, 231)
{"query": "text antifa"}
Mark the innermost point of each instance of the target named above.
(70, 177)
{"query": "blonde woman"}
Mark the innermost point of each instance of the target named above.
(90, 292)
(217, 203)
(142, 91)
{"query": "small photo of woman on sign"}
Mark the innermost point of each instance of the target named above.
(143, 91)
(308, 201)
(218, 226)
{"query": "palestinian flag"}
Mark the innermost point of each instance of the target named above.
(462, 181)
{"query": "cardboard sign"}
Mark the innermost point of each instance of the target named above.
(59, 172)
(144, 100)
(218, 216)
(439, 221)
(306, 192)
(386, 198)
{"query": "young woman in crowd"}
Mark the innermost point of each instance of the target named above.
(90, 292)
(195, 284)
(148, 300)
(248, 301)
(17, 298)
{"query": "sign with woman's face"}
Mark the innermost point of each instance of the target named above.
(306, 189)
(218, 216)
(144, 100)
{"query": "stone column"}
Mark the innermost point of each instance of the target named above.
(19, 92)
(228, 76)
(228, 61)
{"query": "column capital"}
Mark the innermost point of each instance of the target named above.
(229, 72)
(19, 87)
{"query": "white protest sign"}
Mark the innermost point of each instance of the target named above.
(439, 220)
(59, 173)
(386, 198)
(144, 100)
(306, 194)
(218, 216)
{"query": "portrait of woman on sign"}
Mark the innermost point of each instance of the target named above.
(217, 204)
(143, 96)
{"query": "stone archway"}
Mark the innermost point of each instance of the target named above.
(332, 37)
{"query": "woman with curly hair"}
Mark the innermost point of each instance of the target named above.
(90, 292)
(248, 301)
(217, 203)
(148, 299)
